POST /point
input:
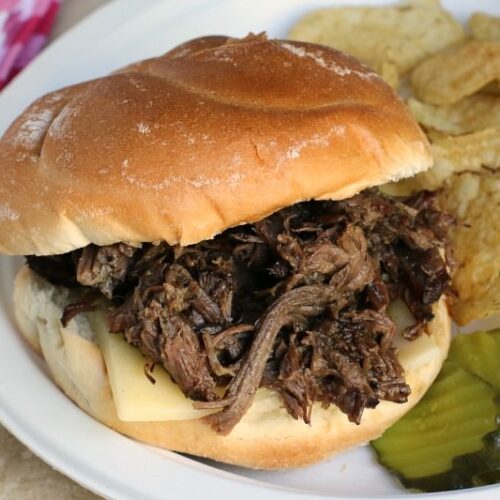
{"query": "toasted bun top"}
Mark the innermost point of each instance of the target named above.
(218, 132)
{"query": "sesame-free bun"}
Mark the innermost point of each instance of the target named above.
(218, 132)
(267, 437)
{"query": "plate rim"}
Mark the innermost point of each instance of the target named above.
(36, 444)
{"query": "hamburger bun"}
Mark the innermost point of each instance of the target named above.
(216, 133)
(266, 438)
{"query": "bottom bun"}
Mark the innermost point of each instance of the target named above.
(266, 438)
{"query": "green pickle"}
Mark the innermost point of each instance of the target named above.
(478, 353)
(451, 439)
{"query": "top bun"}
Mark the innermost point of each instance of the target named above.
(217, 132)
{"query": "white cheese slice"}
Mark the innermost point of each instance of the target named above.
(135, 397)
(138, 400)
(416, 353)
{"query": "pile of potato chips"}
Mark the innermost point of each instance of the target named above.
(454, 79)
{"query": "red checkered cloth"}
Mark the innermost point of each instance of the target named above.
(24, 29)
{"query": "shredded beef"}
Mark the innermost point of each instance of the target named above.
(58, 269)
(104, 267)
(296, 302)
(86, 303)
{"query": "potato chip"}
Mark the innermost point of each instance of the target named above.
(484, 27)
(475, 199)
(401, 35)
(467, 152)
(454, 155)
(389, 72)
(435, 135)
(471, 114)
(458, 72)
(492, 88)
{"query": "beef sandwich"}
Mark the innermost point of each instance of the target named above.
(217, 206)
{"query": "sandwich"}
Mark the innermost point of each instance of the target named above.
(215, 214)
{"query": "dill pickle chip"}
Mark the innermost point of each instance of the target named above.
(480, 468)
(473, 469)
(451, 421)
(478, 353)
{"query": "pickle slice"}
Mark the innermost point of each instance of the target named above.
(451, 439)
(478, 353)
(474, 469)
(451, 420)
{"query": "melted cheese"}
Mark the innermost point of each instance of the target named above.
(135, 397)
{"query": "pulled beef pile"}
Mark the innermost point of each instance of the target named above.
(296, 302)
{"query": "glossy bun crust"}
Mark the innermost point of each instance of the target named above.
(218, 132)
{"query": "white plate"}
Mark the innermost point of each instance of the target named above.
(33, 409)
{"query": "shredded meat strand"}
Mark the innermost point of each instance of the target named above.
(85, 304)
(303, 302)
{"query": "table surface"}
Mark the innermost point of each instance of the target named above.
(23, 476)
